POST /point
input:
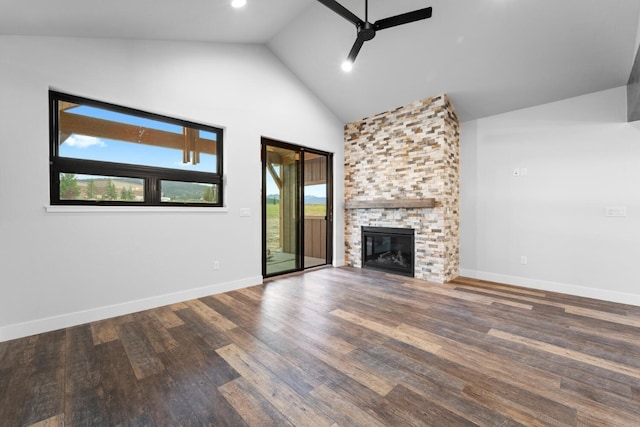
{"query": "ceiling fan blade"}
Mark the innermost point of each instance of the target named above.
(342, 11)
(403, 18)
(355, 49)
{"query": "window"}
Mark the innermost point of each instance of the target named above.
(104, 154)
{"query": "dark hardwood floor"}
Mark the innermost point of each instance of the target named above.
(337, 347)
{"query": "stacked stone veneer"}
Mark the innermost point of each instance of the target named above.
(411, 152)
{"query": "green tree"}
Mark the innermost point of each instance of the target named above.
(210, 195)
(111, 192)
(126, 194)
(91, 190)
(69, 189)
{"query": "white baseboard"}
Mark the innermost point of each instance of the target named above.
(39, 326)
(542, 285)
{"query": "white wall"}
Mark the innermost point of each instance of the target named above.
(638, 36)
(468, 191)
(59, 269)
(581, 156)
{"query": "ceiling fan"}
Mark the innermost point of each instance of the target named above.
(366, 30)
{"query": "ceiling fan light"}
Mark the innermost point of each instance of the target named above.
(347, 66)
(238, 3)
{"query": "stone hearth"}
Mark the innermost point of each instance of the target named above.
(401, 159)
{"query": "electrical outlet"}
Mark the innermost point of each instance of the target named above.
(523, 259)
(516, 172)
(216, 265)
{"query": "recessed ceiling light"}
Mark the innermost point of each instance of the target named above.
(347, 66)
(238, 3)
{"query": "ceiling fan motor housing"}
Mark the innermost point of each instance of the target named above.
(366, 31)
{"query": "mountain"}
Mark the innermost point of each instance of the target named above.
(173, 190)
(309, 200)
(315, 200)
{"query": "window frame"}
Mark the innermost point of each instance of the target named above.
(151, 175)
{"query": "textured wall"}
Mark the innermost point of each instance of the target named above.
(411, 152)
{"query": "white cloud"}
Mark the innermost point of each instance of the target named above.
(83, 141)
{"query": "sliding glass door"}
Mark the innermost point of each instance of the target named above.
(315, 209)
(282, 209)
(296, 208)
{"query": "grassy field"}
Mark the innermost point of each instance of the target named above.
(309, 210)
(273, 222)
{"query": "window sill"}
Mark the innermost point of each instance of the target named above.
(133, 209)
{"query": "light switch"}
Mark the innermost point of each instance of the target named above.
(245, 212)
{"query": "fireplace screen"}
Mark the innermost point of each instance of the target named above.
(388, 249)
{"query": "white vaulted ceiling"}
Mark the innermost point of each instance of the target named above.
(490, 56)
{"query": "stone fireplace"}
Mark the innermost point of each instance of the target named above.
(402, 171)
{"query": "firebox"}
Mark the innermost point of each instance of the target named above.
(388, 249)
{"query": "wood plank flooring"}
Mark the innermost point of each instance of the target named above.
(337, 347)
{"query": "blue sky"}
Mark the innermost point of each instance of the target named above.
(309, 190)
(92, 148)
